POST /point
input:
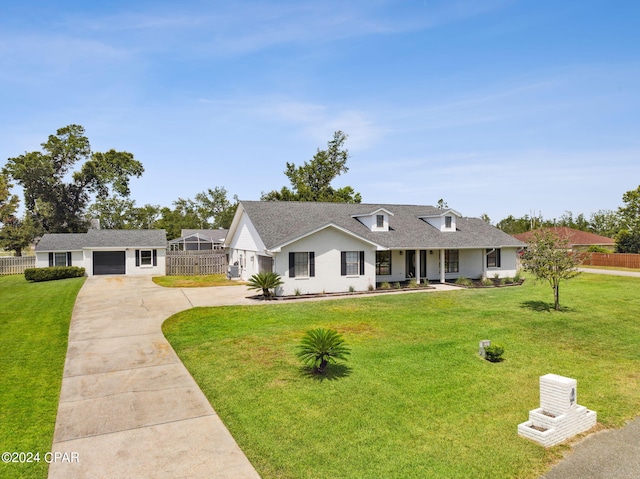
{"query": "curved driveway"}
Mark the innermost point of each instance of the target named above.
(128, 407)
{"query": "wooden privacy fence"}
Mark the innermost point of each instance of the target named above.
(617, 260)
(192, 263)
(16, 264)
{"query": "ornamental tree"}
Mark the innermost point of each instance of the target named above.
(548, 258)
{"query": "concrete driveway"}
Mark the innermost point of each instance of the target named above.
(128, 406)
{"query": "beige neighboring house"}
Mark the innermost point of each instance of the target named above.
(578, 240)
(337, 247)
(102, 252)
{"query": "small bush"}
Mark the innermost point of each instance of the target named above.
(518, 277)
(494, 352)
(509, 281)
(321, 346)
(413, 283)
(53, 273)
(487, 282)
(385, 285)
(297, 292)
(462, 281)
(396, 285)
(371, 287)
(352, 289)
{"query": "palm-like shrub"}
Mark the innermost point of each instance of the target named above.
(265, 282)
(321, 346)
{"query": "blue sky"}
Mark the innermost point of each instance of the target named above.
(498, 107)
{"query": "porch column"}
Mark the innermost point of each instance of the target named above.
(442, 279)
(417, 253)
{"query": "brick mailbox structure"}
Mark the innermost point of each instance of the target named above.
(559, 416)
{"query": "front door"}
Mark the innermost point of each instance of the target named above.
(410, 263)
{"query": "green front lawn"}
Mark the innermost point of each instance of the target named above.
(34, 325)
(415, 400)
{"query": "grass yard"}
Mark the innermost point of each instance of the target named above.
(195, 281)
(415, 400)
(34, 320)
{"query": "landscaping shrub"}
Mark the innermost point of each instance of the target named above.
(321, 346)
(413, 283)
(494, 352)
(462, 281)
(265, 282)
(53, 273)
(487, 282)
(385, 285)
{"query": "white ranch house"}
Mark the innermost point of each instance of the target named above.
(335, 247)
(131, 252)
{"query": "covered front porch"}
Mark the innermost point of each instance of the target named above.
(442, 265)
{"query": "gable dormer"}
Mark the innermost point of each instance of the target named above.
(444, 221)
(377, 220)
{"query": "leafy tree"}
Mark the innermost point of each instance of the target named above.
(113, 212)
(265, 282)
(8, 201)
(442, 204)
(485, 217)
(56, 196)
(209, 209)
(17, 234)
(312, 180)
(628, 238)
(548, 258)
(321, 346)
(577, 223)
(605, 223)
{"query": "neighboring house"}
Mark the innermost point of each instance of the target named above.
(333, 247)
(578, 240)
(131, 252)
(198, 240)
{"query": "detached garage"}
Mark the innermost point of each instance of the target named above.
(104, 252)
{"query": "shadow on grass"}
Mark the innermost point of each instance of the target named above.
(542, 306)
(332, 372)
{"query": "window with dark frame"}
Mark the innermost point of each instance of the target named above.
(60, 259)
(383, 263)
(447, 221)
(301, 264)
(146, 257)
(493, 258)
(451, 261)
(351, 263)
(380, 221)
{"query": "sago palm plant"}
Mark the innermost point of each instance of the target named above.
(321, 346)
(265, 282)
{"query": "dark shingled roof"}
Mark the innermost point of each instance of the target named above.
(103, 239)
(280, 222)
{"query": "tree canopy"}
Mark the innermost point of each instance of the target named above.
(56, 193)
(312, 180)
(548, 258)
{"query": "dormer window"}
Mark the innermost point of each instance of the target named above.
(377, 220)
(444, 221)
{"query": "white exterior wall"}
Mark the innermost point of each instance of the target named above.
(244, 247)
(84, 259)
(42, 259)
(327, 246)
(132, 270)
